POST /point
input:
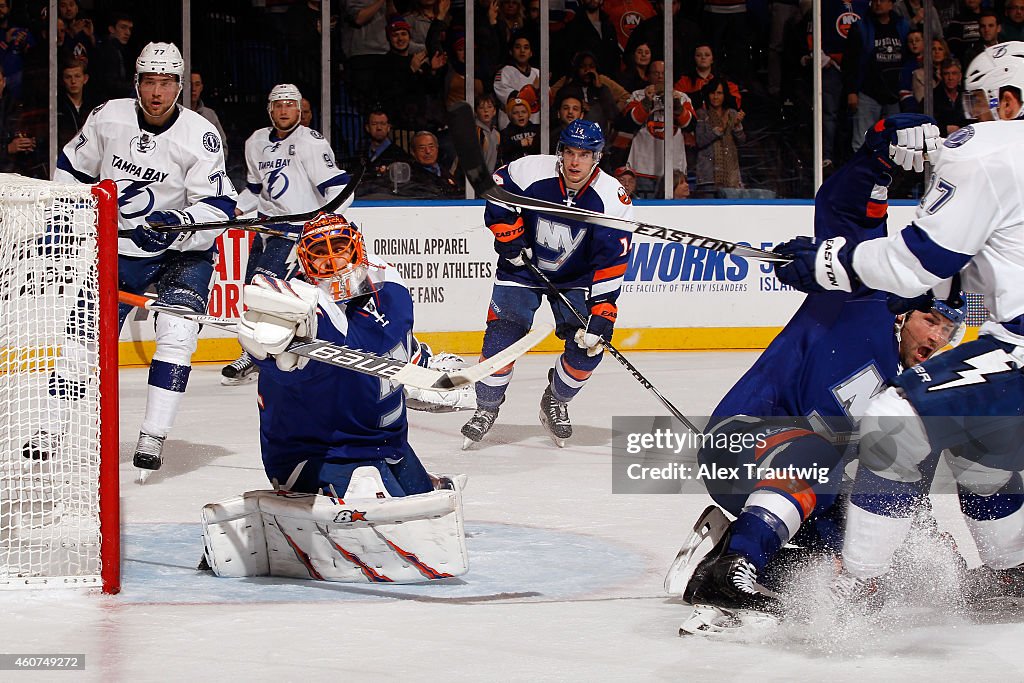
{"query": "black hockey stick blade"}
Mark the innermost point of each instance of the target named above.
(257, 224)
(463, 126)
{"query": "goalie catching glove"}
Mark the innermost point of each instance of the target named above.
(599, 328)
(277, 312)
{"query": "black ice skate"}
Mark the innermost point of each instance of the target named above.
(148, 455)
(242, 370)
(554, 415)
(726, 596)
(40, 446)
(478, 426)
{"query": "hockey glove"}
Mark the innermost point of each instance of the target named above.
(599, 328)
(147, 238)
(903, 139)
(510, 241)
(817, 267)
(276, 312)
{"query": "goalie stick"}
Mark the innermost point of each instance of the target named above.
(463, 126)
(608, 345)
(363, 361)
(257, 224)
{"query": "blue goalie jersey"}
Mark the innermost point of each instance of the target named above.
(327, 412)
(838, 349)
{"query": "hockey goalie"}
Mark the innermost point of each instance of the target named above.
(352, 501)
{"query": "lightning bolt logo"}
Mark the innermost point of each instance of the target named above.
(131, 190)
(277, 183)
(991, 363)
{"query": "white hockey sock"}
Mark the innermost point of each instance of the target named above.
(1000, 541)
(161, 409)
(871, 540)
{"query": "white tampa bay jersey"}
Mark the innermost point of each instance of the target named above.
(179, 168)
(292, 175)
(971, 221)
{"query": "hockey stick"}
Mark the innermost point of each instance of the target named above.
(461, 122)
(363, 361)
(608, 345)
(257, 224)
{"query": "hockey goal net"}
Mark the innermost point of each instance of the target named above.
(59, 519)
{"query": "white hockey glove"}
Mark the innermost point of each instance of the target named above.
(913, 145)
(278, 311)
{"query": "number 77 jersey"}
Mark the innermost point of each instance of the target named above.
(177, 166)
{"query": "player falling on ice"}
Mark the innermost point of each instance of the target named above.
(798, 406)
(585, 262)
(970, 400)
(168, 164)
(290, 169)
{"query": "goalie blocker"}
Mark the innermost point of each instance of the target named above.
(365, 537)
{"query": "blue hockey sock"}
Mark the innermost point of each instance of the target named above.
(1003, 503)
(754, 538)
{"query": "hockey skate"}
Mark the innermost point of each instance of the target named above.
(242, 370)
(707, 532)
(478, 426)
(148, 456)
(554, 415)
(726, 596)
(40, 446)
(990, 591)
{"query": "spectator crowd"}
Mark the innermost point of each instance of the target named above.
(740, 103)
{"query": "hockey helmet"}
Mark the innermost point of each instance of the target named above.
(957, 314)
(332, 254)
(284, 91)
(997, 67)
(582, 134)
(160, 58)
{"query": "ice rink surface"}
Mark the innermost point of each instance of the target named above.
(565, 578)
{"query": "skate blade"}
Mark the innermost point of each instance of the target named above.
(720, 622)
(711, 525)
(142, 475)
(467, 442)
(558, 442)
(239, 381)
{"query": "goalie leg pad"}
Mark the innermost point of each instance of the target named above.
(411, 539)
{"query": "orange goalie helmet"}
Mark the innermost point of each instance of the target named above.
(333, 256)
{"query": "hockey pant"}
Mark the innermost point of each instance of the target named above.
(509, 317)
(969, 400)
(778, 477)
(268, 255)
(403, 474)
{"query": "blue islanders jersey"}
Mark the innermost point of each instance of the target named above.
(838, 349)
(323, 411)
(571, 253)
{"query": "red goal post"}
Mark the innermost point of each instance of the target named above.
(59, 492)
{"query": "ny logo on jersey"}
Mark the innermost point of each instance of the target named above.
(559, 238)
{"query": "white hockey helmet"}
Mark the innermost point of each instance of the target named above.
(998, 66)
(283, 91)
(160, 58)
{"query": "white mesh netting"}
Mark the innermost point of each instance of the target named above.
(49, 384)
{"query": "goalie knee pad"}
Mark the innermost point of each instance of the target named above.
(366, 536)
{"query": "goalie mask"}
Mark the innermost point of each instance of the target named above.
(285, 92)
(998, 67)
(333, 256)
